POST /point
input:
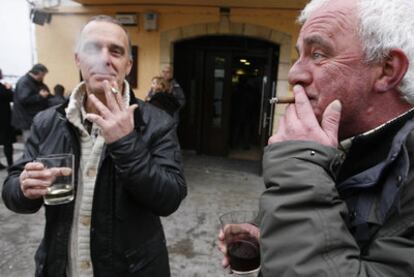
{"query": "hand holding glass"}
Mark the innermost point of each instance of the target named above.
(61, 191)
(241, 241)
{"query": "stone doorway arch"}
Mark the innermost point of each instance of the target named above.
(225, 27)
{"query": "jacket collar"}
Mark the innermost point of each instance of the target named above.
(371, 148)
(373, 194)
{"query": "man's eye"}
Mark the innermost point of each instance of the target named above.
(316, 55)
(117, 51)
(91, 48)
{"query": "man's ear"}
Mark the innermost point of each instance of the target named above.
(129, 67)
(394, 67)
(77, 60)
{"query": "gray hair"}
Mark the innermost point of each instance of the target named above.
(384, 25)
(108, 19)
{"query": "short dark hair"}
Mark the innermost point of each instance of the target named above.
(109, 19)
(59, 90)
(38, 68)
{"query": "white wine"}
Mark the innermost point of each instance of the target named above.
(59, 194)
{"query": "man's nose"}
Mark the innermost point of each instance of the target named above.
(300, 74)
(106, 56)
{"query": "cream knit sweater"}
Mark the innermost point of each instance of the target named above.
(80, 263)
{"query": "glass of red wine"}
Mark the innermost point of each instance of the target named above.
(242, 243)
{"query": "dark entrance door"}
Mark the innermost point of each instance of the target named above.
(216, 104)
(227, 82)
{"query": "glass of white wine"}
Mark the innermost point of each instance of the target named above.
(61, 191)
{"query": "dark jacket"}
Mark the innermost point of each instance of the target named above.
(326, 216)
(6, 130)
(27, 101)
(178, 92)
(139, 179)
(54, 100)
(165, 101)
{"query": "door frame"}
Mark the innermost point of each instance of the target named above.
(195, 54)
(215, 138)
(169, 37)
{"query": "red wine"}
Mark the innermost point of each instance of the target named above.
(244, 255)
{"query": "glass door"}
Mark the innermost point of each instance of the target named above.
(216, 102)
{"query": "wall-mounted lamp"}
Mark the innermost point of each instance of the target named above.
(40, 17)
(225, 11)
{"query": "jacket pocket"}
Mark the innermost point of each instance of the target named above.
(144, 255)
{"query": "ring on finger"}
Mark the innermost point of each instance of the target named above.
(114, 90)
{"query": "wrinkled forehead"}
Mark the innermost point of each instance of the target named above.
(336, 18)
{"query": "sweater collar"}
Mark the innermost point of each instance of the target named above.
(140, 123)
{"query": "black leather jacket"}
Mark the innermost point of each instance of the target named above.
(140, 178)
(27, 101)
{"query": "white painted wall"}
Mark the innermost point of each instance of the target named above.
(17, 53)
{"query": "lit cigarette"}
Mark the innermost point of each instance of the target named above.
(282, 100)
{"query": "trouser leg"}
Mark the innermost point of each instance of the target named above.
(8, 152)
(25, 134)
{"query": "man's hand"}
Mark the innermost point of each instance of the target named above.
(44, 93)
(116, 120)
(36, 178)
(233, 231)
(8, 86)
(300, 122)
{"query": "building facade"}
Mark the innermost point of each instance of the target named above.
(229, 56)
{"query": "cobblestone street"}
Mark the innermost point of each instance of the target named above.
(215, 186)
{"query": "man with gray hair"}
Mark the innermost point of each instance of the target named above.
(128, 169)
(339, 171)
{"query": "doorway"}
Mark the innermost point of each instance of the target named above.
(227, 81)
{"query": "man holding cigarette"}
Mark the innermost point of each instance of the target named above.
(339, 171)
(128, 169)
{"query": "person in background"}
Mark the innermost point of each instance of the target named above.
(30, 97)
(174, 88)
(158, 84)
(129, 170)
(339, 171)
(7, 133)
(58, 96)
(161, 97)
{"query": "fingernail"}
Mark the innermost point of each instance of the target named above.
(336, 105)
(296, 88)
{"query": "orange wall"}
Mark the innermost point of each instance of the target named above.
(55, 41)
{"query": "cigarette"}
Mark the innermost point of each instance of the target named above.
(282, 100)
(114, 90)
